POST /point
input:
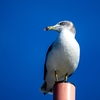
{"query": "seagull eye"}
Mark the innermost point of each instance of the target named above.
(62, 23)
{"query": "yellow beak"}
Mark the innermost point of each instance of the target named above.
(49, 28)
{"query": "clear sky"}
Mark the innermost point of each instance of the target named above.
(23, 45)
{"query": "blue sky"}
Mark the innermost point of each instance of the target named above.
(24, 44)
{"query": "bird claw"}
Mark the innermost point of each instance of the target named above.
(56, 76)
(66, 77)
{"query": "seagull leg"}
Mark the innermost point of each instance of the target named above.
(56, 76)
(66, 77)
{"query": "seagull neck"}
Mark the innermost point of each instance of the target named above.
(67, 33)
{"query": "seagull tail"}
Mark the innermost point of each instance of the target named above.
(44, 90)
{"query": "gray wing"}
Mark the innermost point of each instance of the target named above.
(49, 49)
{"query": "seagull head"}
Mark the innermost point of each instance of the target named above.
(62, 25)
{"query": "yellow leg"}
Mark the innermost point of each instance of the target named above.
(66, 77)
(56, 76)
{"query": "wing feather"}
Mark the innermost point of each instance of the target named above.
(49, 49)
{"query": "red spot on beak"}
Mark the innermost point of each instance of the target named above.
(45, 29)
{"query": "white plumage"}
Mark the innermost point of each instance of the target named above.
(63, 55)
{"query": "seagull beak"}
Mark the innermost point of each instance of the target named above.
(50, 28)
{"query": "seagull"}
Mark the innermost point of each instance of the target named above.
(62, 57)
